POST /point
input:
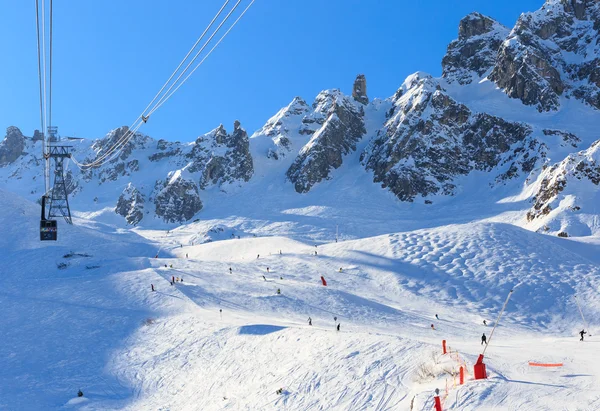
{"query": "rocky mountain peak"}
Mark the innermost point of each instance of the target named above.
(336, 125)
(475, 24)
(359, 91)
(552, 53)
(578, 8)
(474, 52)
(12, 147)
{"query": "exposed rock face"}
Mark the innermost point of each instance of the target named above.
(359, 91)
(137, 141)
(576, 168)
(474, 52)
(177, 199)
(552, 52)
(222, 158)
(131, 205)
(430, 139)
(282, 128)
(336, 125)
(37, 135)
(12, 147)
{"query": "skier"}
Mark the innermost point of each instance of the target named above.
(80, 393)
(230, 271)
(186, 255)
(582, 332)
(436, 317)
(340, 269)
(170, 265)
(315, 253)
(483, 339)
(264, 278)
(280, 277)
(258, 256)
(152, 285)
(181, 279)
(165, 266)
(338, 326)
(279, 391)
(173, 278)
(279, 291)
(279, 252)
(485, 322)
(309, 321)
(432, 327)
(267, 269)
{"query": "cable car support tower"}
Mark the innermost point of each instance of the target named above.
(52, 149)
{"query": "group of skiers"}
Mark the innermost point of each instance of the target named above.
(337, 325)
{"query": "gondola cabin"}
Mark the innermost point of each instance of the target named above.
(48, 230)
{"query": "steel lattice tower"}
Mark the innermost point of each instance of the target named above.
(59, 199)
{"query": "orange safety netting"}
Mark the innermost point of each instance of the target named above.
(538, 364)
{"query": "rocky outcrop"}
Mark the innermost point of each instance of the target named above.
(550, 53)
(430, 139)
(177, 199)
(359, 91)
(222, 158)
(577, 169)
(282, 130)
(120, 136)
(131, 205)
(336, 125)
(474, 53)
(12, 147)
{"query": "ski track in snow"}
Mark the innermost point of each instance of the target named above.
(95, 325)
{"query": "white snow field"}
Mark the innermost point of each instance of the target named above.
(80, 314)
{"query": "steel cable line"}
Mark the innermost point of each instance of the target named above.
(187, 55)
(117, 147)
(159, 103)
(205, 57)
(37, 25)
(129, 134)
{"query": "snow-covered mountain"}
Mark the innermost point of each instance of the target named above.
(510, 105)
(188, 277)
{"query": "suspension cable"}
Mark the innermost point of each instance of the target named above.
(188, 54)
(205, 57)
(37, 26)
(129, 134)
(117, 147)
(195, 56)
(50, 72)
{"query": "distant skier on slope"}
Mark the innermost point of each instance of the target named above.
(483, 339)
(485, 322)
(230, 271)
(338, 326)
(264, 278)
(309, 321)
(436, 317)
(258, 256)
(582, 332)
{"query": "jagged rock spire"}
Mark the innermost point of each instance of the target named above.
(359, 91)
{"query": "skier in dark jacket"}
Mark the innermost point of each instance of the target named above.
(309, 321)
(338, 326)
(582, 332)
(483, 339)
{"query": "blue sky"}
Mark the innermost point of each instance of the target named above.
(111, 57)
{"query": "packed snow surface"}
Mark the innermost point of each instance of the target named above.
(80, 314)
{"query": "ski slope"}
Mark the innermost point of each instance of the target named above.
(95, 325)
